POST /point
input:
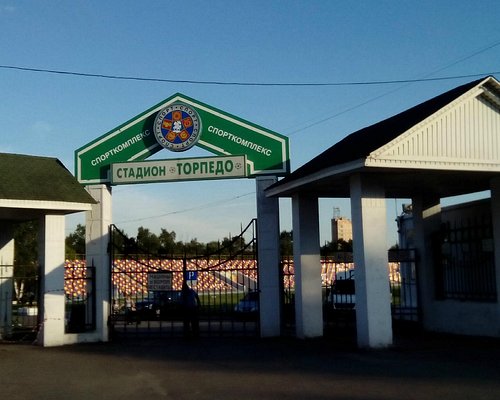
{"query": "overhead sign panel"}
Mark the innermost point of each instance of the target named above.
(180, 169)
(178, 124)
(267, 152)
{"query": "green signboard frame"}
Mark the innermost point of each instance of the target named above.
(223, 134)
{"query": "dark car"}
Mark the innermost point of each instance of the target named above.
(165, 305)
(248, 304)
(146, 309)
(343, 295)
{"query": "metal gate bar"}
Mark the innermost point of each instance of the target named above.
(222, 281)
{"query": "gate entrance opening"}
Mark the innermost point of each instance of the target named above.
(242, 150)
(147, 296)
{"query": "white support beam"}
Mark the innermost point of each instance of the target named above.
(51, 252)
(268, 259)
(369, 225)
(426, 213)
(495, 215)
(98, 222)
(307, 264)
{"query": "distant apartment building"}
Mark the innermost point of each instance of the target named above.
(341, 229)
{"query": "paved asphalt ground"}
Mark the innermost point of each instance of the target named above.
(430, 367)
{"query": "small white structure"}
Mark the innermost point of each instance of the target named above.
(446, 146)
(39, 188)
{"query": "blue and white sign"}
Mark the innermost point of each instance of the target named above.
(191, 275)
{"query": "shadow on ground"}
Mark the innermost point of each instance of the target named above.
(416, 367)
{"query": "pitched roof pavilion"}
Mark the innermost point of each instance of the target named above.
(449, 144)
(31, 186)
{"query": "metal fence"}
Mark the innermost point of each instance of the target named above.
(339, 296)
(147, 297)
(403, 285)
(79, 289)
(19, 300)
(464, 260)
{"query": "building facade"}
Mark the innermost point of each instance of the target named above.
(341, 229)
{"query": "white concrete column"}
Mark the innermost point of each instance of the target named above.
(307, 264)
(6, 276)
(269, 265)
(51, 253)
(426, 213)
(495, 215)
(369, 226)
(97, 224)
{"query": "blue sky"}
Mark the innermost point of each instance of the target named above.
(229, 41)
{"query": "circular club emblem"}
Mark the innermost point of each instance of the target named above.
(177, 127)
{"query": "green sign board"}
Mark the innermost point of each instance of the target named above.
(177, 124)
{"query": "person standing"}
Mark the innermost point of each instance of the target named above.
(191, 305)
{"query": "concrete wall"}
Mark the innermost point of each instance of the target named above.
(448, 315)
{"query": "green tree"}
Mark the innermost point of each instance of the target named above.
(75, 242)
(286, 243)
(229, 246)
(167, 241)
(336, 247)
(147, 241)
(213, 247)
(25, 259)
(345, 246)
(191, 248)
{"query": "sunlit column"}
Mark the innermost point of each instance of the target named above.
(98, 221)
(51, 252)
(369, 226)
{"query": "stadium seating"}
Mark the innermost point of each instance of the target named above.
(130, 277)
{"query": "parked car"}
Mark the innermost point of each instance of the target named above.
(248, 304)
(342, 294)
(160, 305)
(147, 309)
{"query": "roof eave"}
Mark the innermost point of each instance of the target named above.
(287, 189)
(56, 206)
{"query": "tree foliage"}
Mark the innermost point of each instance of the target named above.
(336, 246)
(286, 243)
(167, 241)
(148, 243)
(26, 244)
(25, 260)
(75, 242)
